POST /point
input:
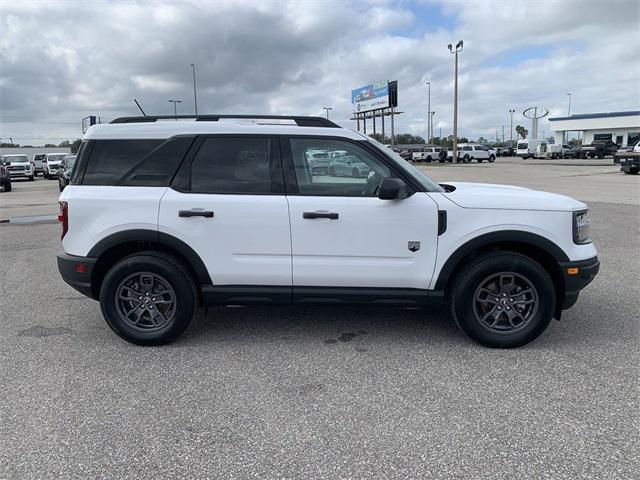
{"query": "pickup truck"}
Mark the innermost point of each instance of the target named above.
(629, 160)
(598, 149)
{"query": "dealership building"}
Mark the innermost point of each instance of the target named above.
(621, 127)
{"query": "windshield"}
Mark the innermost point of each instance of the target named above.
(420, 176)
(522, 146)
(15, 158)
(55, 158)
(69, 162)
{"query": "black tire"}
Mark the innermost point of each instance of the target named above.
(600, 156)
(466, 159)
(172, 275)
(632, 171)
(31, 178)
(429, 159)
(467, 309)
(7, 186)
(45, 175)
(492, 159)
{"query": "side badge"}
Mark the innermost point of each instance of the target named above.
(414, 246)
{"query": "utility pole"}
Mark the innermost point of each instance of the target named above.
(326, 109)
(195, 97)
(511, 112)
(569, 109)
(175, 109)
(458, 48)
(429, 114)
(502, 133)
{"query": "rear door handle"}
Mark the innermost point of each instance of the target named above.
(195, 213)
(319, 214)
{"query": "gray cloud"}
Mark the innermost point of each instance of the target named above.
(65, 60)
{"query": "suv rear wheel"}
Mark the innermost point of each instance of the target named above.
(148, 298)
(503, 300)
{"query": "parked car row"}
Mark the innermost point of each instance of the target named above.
(51, 165)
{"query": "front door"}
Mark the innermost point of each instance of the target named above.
(343, 235)
(229, 207)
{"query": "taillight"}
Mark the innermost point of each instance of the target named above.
(64, 218)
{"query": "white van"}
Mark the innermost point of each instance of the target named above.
(530, 148)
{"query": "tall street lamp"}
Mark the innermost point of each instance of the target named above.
(455, 51)
(326, 109)
(195, 97)
(511, 112)
(175, 108)
(431, 132)
(428, 84)
(569, 110)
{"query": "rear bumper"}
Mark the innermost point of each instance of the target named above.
(76, 271)
(575, 282)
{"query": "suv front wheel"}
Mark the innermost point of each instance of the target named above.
(503, 300)
(148, 298)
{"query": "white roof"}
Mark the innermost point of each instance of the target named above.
(170, 128)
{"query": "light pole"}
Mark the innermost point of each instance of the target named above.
(428, 84)
(455, 51)
(431, 132)
(511, 112)
(175, 108)
(195, 97)
(326, 109)
(569, 109)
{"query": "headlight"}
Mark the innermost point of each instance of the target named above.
(581, 227)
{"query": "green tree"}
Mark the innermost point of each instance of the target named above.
(521, 131)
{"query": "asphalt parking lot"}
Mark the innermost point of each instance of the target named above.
(323, 392)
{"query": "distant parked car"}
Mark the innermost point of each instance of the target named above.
(64, 173)
(38, 159)
(427, 154)
(406, 155)
(598, 149)
(19, 166)
(507, 152)
(318, 163)
(5, 178)
(51, 164)
(348, 166)
(475, 151)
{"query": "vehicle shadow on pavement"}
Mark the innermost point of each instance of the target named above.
(322, 324)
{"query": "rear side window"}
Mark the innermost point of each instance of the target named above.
(158, 167)
(112, 159)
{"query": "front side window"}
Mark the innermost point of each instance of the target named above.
(357, 173)
(238, 165)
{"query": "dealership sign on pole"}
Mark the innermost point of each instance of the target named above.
(370, 97)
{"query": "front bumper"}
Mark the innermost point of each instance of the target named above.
(576, 280)
(20, 173)
(76, 271)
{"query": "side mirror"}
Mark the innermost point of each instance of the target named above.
(392, 189)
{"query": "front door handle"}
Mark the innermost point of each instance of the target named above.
(319, 214)
(195, 213)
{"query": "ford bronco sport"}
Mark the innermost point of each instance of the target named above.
(162, 217)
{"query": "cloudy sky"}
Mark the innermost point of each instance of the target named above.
(63, 60)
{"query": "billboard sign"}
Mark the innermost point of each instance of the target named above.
(370, 97)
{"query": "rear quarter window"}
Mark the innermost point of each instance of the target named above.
(110, 160)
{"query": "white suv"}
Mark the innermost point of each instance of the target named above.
(475, 151)
(164, 216)
(51, 163)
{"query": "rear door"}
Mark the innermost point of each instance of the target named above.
(227, 203)
(343, 235)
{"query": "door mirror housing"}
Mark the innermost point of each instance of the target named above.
(392, 189)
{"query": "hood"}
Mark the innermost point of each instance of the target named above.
(507, 197)
(11, 161)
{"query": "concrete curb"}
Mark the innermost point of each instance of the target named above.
(29, 220)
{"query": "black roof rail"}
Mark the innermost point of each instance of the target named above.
(301, 121)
